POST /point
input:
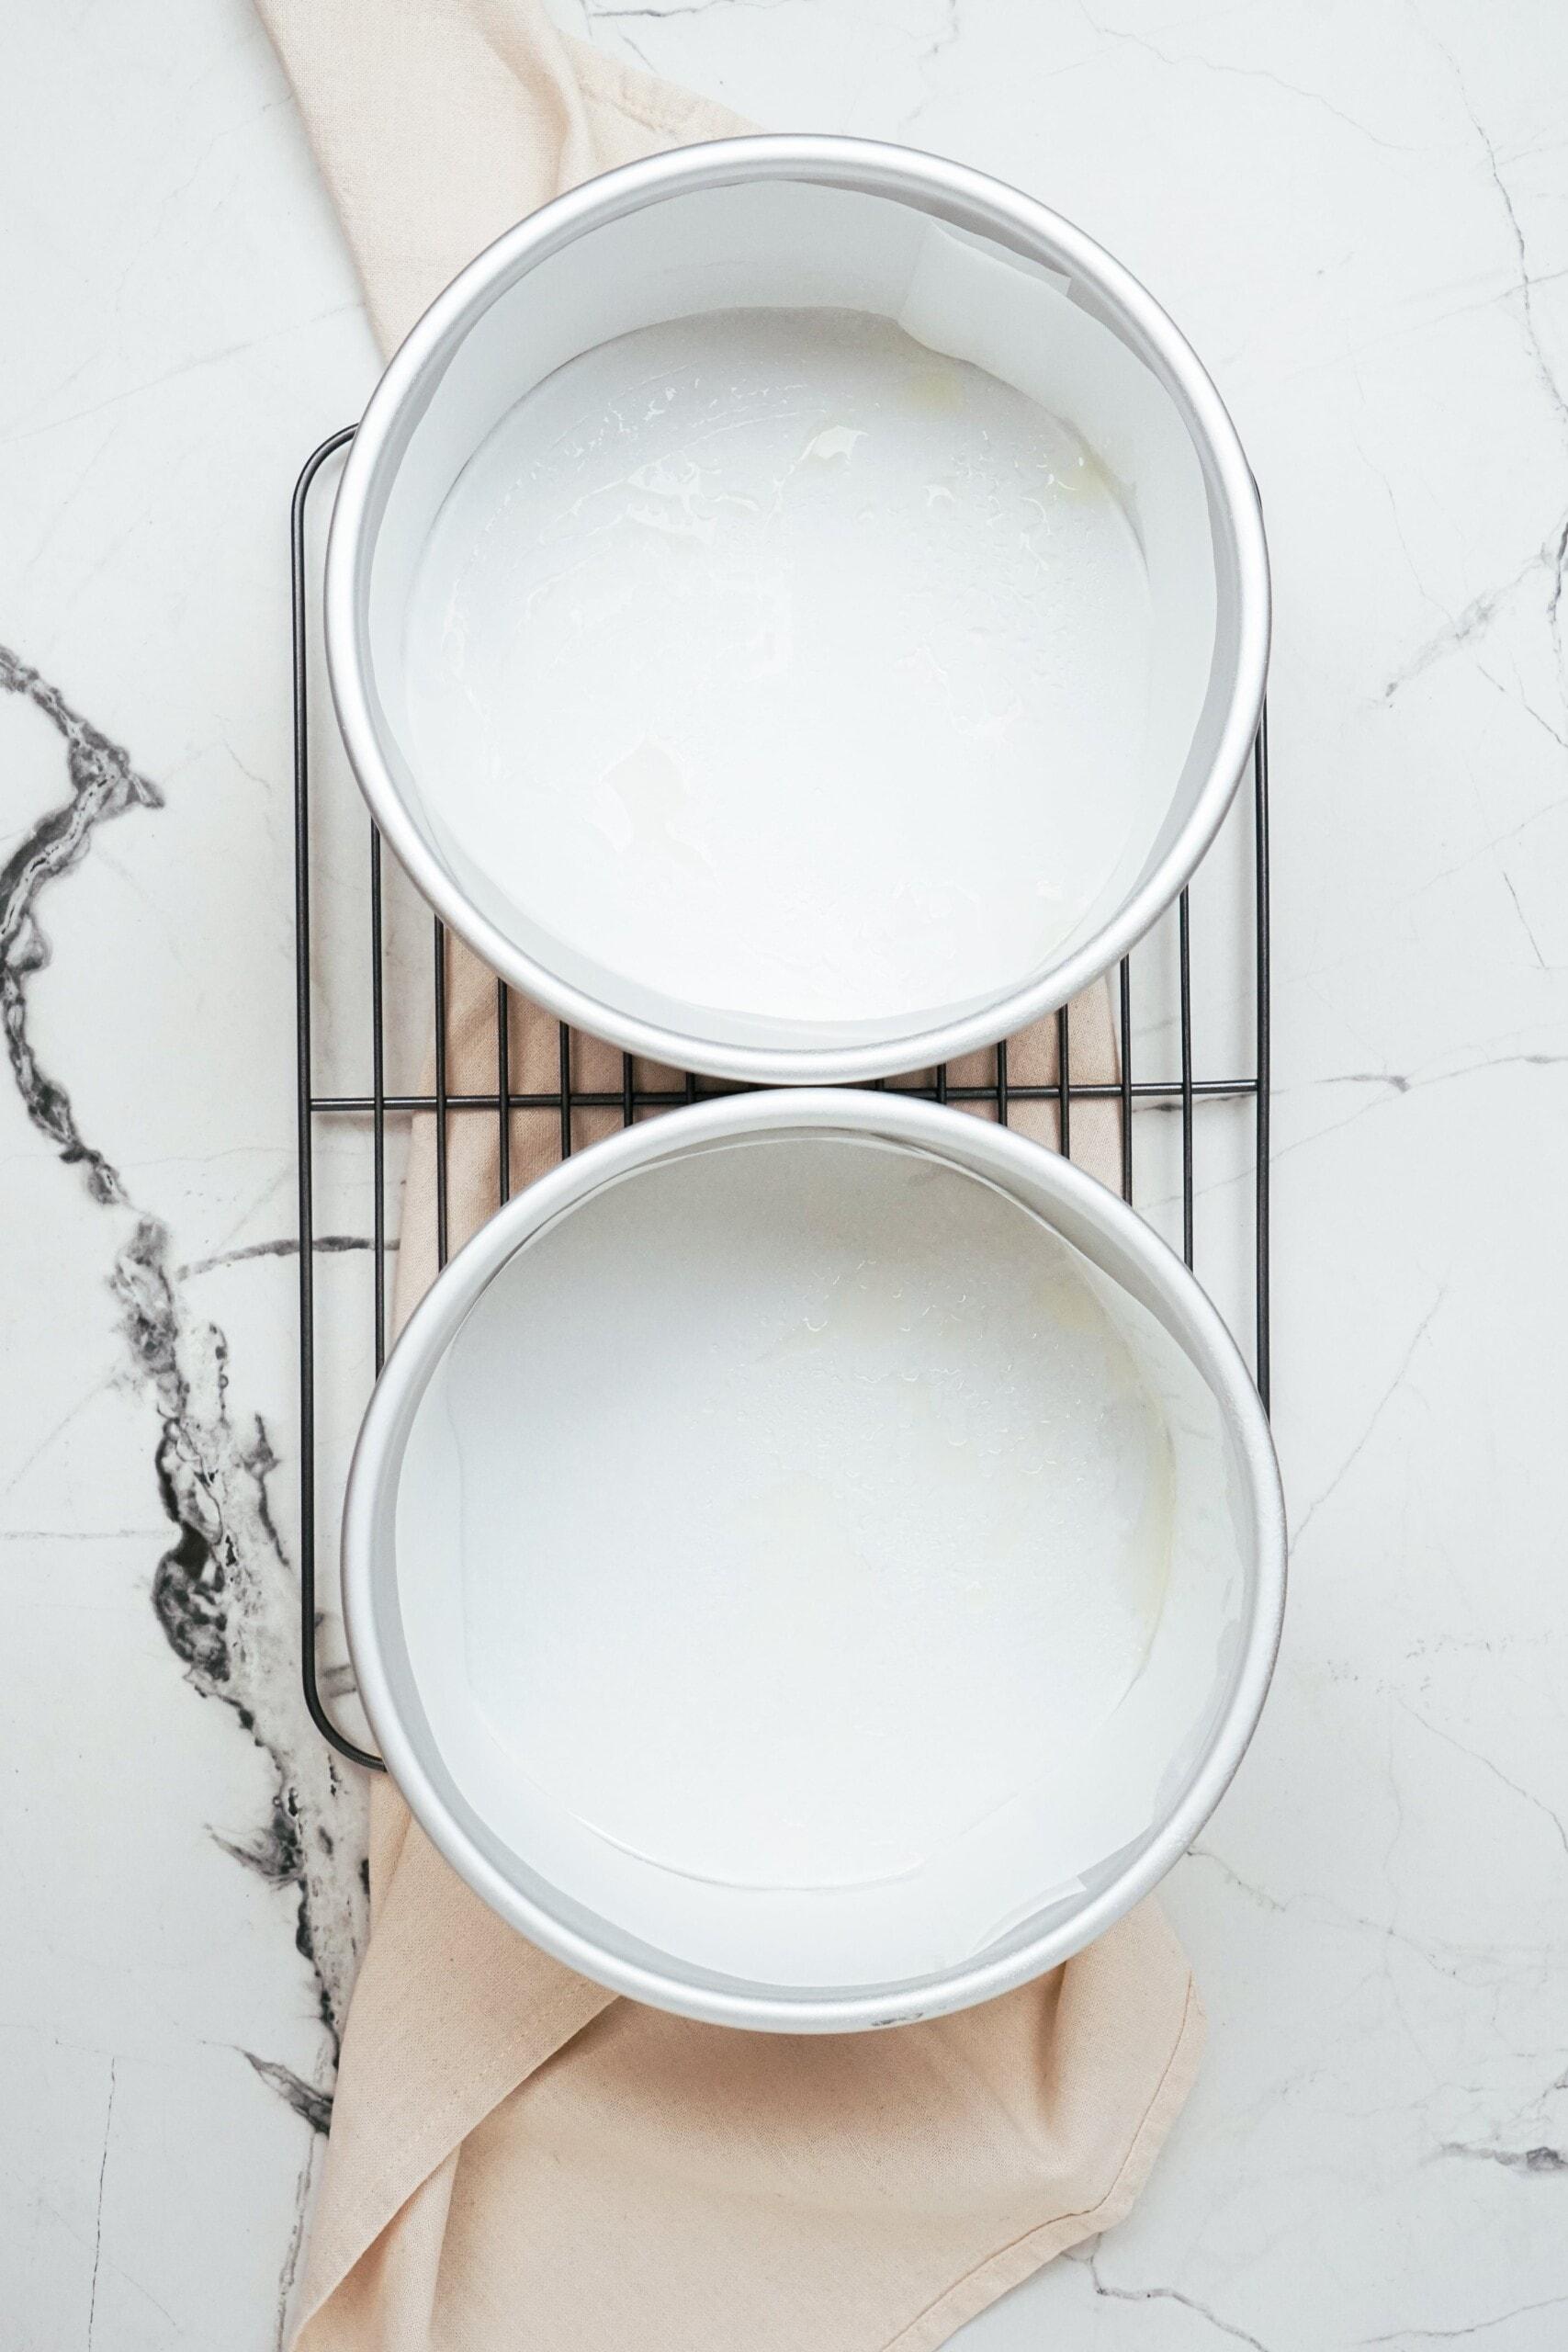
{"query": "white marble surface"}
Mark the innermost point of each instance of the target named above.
(1360, 214)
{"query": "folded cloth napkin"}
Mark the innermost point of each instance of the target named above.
(517, 2155)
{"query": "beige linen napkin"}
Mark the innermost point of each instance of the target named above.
(517, 2156)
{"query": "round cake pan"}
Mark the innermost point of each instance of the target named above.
(797, 608)
(813, 1561)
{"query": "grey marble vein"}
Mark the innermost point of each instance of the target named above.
(225, 1598)
(941, 40)
(1475, 2327)
(325, 1244)
(1170, 2295)
(1249, 73)
(223, 1591)
(1537, 2160)
(98, 2210)
(103, 784)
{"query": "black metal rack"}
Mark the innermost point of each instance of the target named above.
(375, 1106)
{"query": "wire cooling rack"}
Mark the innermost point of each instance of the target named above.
(1163, 1186)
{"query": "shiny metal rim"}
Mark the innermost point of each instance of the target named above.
(954, 1136)
(969, 199)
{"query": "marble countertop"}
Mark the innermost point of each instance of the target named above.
(1360, 213)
